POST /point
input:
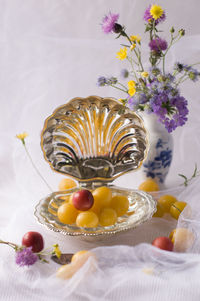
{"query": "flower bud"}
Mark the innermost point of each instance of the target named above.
(182, 32)
(117, 28)
(172, 30)
(160, 78)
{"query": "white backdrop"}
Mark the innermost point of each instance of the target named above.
(54, 50)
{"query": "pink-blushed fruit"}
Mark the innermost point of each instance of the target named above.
(163, 243)
(34, 240)
(82, 200)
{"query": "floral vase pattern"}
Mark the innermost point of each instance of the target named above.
(159, 157)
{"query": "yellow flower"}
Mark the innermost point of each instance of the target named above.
(122, 54)
(57, 251)
(132, 46)
(156, 11)
(22, 137)
(135, 39)
(144, 74)
(131, 91)
(131, 84)
(123, 101)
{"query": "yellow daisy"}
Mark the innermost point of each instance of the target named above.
(145, 74)
(156, 11)
(131, 84)
(131, 91)
(57, 251)
(135, 38)
(122, 54)
(22, 137)
(132, 47)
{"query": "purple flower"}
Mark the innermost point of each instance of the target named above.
(137, 101)
(172, 111)
(25, 257)
(101, 81)
(158, 44)
(148, 17)
(108, 22)
(111, 80)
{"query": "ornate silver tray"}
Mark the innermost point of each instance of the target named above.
(95, 140)
(141, 208)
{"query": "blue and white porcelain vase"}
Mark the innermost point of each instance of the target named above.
(159, 158)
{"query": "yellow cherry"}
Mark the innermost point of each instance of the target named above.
(176, 209)
(159, 212)
(67, 213)
(78, 254)
(102, 197)
(87, 219)
(107, 217)
(182, 239)
(149, 186)
(66, 183)
(166, 201)
(120, 204)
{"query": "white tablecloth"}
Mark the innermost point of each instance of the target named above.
(52, 51)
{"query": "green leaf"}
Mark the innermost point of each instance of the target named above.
(185, 178)
(195, 171)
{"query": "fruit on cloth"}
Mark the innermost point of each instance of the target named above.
(78, 254)
(120, 204)
(67, 213)
(68, 270)
(182, 239)
(34, 240)
(166, 201)
(107, 217)
(82, 200)
(163, 243)
(66, 183)
(159, 212)
(176, 209)
(102, 197)
(87, 219)
(149, 186)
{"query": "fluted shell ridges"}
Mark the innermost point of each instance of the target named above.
(94, 138)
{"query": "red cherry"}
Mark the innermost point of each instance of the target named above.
(82, 200)
(163, 243)
(34, 240)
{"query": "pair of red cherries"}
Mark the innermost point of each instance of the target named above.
(36, 241)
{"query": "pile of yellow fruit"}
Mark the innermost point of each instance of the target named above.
(104, 208)
(166, 203)
(90, 209)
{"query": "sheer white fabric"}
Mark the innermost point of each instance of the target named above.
(52, 51)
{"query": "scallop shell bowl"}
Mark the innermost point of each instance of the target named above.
(94, 140)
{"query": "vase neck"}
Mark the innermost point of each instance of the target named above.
(151, 122)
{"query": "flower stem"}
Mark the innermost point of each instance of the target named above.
(12, 245)
(122, 86)
(137, 55)
(125, 91)
(131, 62)
(36, 169)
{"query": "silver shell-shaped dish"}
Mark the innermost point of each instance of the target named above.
(94, 139)
(141, 208)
